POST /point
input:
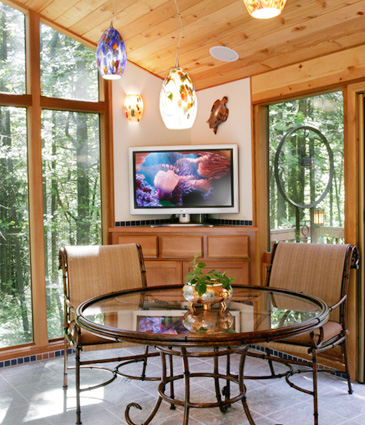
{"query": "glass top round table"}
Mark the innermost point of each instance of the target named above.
(161, 316)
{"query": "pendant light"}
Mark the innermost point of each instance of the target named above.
(178, 101)
(111, 54)
(264, 9)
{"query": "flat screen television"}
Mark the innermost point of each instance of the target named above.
(184, 180)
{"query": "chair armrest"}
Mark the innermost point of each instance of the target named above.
(355, 259)
(338, 303)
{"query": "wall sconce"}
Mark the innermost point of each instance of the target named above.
(133, 107)
(318, 217)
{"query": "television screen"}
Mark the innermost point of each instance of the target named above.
(184, 179)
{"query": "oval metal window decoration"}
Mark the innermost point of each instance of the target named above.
(306, 163)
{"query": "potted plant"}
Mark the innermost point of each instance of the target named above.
(206, 287)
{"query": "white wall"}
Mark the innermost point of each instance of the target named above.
(236, 130)
(151, 131)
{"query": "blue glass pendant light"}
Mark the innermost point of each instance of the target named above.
(111, 54)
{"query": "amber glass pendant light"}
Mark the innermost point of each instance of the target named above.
(178, 101)
(264, 9)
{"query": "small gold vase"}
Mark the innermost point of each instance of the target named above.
(215, 293)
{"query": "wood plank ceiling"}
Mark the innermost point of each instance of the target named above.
(150, 28)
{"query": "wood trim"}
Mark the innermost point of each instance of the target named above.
(37, 249)
(107, 163)
(15, 99)
(260, 213)
(353, 219)
(72, 105)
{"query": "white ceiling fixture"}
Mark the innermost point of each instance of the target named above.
(224, 54)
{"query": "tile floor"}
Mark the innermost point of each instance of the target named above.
(32, 394)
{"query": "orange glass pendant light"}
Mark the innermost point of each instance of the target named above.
(178, 101)
(264, 9)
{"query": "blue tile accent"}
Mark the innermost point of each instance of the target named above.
(215, 221)
(7, 363)
(1, 364)
(20, 360)
(33, 358)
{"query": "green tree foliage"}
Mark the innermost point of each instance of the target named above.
(71, 172)
(12, 50)
(71, 159)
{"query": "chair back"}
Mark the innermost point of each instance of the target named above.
(90, 271)
(317, 269)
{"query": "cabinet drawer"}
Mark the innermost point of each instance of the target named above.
(163, 273)
(238, 269)
(181, 246)
(148, 243)
(228, 246)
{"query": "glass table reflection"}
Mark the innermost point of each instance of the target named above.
(161, 317)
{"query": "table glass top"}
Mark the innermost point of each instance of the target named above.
(164, 311)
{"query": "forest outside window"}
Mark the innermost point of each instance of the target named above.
(306, 170)
(71, 194)
(57, 159)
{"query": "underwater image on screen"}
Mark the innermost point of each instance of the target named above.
(183, 178)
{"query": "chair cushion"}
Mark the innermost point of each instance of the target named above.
(330, 330)
(87, 338)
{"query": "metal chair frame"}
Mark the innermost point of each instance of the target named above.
(74, 342)
(318, 345)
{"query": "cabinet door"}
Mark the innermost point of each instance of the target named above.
(149, 243)
(181, 246)
(228, 246)
(163, 273)
(238, 269)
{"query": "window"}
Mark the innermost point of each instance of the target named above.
(306, 170)
(68, 68)
(50, 173)
(15, 300)
(12, 51)
(71, 193)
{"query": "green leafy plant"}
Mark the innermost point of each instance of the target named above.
(201, 280)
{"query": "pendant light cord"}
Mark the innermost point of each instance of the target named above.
(181, 34)
(111, 23)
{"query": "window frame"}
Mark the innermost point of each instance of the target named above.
(34, 102)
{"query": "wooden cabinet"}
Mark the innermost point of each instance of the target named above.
(168, 251)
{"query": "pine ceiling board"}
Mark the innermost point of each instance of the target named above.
(155, 17)
(78, 11)
(237, 34)
(157, 45)
(165, 19)
(248, 65)
(308, 45)
(56, 8)
(315, 28)
(36, 5)
(214, 78)
(330, 45)
(129, 14)
(98, 21)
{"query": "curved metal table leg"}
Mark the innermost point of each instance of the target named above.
(243, 388)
